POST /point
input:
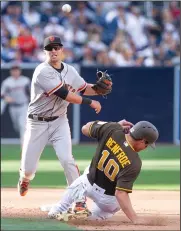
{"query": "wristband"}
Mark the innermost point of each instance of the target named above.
(86, 100)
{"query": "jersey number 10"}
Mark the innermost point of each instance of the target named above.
(110, 164)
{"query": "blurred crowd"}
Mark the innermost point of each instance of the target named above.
(93, 33)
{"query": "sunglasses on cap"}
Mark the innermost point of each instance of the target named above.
(50, 48)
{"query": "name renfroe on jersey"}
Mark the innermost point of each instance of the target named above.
(46, 80)
(118, 152)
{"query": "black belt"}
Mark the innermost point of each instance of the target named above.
(40, 118)
(107, 192)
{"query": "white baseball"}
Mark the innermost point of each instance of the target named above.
(66, 8)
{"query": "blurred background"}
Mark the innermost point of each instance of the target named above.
(94, 33)
(137, 42)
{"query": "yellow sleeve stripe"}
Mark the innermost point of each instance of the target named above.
(124, 189)
(90, 129)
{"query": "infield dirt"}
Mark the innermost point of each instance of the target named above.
(161, 209)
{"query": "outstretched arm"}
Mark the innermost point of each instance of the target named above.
(89, 90)
(125, 204)
(77, 99)
(103, 86)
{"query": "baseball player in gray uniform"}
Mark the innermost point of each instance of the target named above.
(54, 85)
(15, 91)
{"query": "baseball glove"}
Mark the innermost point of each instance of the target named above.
(104, 83)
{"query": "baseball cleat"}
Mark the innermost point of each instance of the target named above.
(23, 187)
(80, 207)
(73, 216)
(64, 216)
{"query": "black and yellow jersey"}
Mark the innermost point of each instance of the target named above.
(115, 164)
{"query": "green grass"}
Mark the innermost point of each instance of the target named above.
(160, 169)
(33, 224)
(85, 152)
(57, 179)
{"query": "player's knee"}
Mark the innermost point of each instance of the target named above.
(67, 163)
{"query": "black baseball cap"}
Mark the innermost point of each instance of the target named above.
(52, 40)
(145, 130)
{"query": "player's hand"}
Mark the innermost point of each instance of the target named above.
(96, 105)
(8, 99)
(140, 221)
(126, 125)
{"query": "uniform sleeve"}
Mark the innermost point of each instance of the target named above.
(4, 88)
(78, 83)
(98, 128)
(127, 176)
(49, 80)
